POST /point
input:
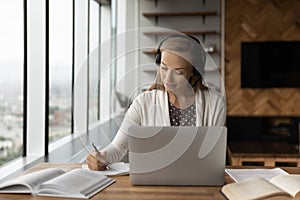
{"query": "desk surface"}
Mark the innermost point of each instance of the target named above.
(122, 189)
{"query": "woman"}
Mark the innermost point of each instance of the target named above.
(177, 98)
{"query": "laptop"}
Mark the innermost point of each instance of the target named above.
(177, 155)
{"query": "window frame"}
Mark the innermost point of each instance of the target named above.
(92, 124)
(33, 149)
(54, 144)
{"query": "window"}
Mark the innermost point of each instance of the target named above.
(11, 79)
(94, 61)
(59, 36)
(60, 68)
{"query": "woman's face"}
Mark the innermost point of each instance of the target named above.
(175, 72)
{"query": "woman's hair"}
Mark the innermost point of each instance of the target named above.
(188, 48)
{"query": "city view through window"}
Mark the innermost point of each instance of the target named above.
(60, 73)
(11, 79)
(60, 68)
(12, 74)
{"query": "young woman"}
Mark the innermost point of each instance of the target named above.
(177, 98)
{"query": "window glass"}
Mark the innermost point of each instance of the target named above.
(11, 79)
(60, 68)
(94, 61)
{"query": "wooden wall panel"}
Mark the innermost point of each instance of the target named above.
(258, 20)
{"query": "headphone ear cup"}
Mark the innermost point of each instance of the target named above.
(158, 58)
(195, 71)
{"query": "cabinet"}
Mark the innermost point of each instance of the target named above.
(259, 153)
(200, 18)
(263, 140)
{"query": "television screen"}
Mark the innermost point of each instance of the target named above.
(274, 64)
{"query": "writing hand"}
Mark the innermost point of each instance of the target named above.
(96, 160)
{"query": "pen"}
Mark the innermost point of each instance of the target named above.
(94, 146)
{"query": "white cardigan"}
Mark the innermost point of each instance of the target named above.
(151, 108)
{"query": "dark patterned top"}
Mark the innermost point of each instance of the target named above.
(182, 117)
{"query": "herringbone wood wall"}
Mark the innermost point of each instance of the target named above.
(258, 20)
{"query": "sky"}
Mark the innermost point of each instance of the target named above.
(11, 38)
(60, 33)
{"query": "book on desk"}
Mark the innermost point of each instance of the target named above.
(77, 183)
(264, 184)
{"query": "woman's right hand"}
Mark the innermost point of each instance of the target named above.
(96, 160)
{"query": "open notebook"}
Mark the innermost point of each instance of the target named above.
(113, 169)
(77, 183)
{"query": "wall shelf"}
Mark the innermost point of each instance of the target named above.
(155, 70)
(173, 14)
(153, 51)
(213, 32)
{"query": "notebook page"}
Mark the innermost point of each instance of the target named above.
(239, 175)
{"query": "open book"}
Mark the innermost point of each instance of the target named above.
(243, 174)
(260, 188)
(77, 183)
(113, 169)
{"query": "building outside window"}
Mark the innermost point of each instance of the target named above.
(94, 61)
(11, 79)
(60, 68)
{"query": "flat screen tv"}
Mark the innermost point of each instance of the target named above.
(272, 64)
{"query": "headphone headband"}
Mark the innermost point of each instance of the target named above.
(198, 69)
(179, 36)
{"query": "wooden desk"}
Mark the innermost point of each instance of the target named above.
(122, 189)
